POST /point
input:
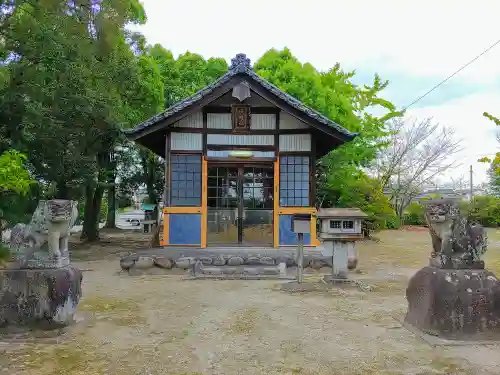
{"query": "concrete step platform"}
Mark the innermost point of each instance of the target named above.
(248, 272)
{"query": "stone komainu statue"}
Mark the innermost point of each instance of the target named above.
(48, 232)
(454, 296)
(456, 241)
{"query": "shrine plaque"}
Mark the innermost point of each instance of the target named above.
(241, 118)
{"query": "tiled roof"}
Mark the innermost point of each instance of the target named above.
(240, 65)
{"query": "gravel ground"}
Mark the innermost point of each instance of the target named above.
(166, 325)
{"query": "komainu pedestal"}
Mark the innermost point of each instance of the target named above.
(457, 303)
(38, 287)
(39, 298)
(454, 297)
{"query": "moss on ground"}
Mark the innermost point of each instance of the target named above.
(245, 321)
(122, 312)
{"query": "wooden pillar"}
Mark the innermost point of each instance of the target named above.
(166, 190)
(204, 201)
(276, 201)
(166, 201)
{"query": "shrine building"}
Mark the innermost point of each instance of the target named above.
(240, 158)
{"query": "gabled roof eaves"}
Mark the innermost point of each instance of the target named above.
(240, 65)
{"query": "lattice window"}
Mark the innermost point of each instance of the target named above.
(348, 224)
(294, 181)
(186, 180)
(335, 224)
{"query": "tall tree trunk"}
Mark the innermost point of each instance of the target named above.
(111, 214)
(93, 199)
(111, 179)
(62, 191)
(89, 194)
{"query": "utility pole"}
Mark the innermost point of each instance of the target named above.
(470, 183)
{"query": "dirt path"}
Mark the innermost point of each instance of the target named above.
(166, 325)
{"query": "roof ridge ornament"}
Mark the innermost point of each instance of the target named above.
(239, 63)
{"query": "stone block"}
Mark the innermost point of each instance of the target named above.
(144, 263)
(270, 271)
(454, 303)
(290, 262)
(185, 262)
(235, 261)
(253, 261)
(127, 262)
(317, 264)
(230, 270)
(163, 262)
(251, 271)
(218, 261)
(267, 261)
(39, 298)
(212, 271)
(206, 261)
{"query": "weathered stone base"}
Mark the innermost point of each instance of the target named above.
(48, 263)
(445, 262)
(40, 260)
(41, 298)
(454, 303)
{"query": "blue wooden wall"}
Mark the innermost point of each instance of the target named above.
(184, 229)
(286, 236)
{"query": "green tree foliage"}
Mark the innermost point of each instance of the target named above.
(187, 74)
(70, 82)
(14, 177)
(180, 78)
(341, 181)
(484, 210)
(494, 171)
(365, 193)
(15, 184)
(414, 214)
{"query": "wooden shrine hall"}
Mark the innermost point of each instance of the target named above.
(240, 159)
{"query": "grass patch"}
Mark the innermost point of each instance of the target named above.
(62, 359)
(449, 366)
(397, 248)
(245, 321)
(106, 305)
(390, 287)
(117, 311)
(411, 249)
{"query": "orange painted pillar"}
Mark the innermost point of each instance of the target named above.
(276, 216)
(204, 201)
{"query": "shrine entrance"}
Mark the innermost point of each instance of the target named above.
(240, 204)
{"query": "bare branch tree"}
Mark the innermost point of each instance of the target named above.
(456, 183)
(419, 151)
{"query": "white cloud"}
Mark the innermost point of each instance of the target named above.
(427, 38)
(476, 132)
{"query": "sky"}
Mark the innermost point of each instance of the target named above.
(415, 45)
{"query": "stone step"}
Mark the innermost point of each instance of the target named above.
(245, 270)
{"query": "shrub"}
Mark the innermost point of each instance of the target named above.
(393, 222)
(4, 253)
(414, 214)
(484, 210)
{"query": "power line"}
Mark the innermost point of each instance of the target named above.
(452, 75)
